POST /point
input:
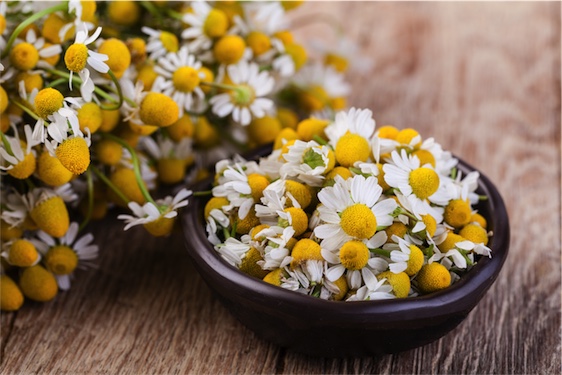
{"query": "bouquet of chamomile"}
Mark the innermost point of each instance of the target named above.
(341, 210)
(104, 103)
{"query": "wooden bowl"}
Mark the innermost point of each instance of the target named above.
(318, 327)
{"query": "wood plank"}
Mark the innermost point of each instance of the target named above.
(484, 80)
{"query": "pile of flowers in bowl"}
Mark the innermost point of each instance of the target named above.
(343, 210)
(104, 103)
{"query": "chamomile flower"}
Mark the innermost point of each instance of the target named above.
(156, 218)
(374, 290)
(179, 78)
(32, 52)
(160, 42)
(233, 250)
(171, 158)
(308, 162)
(73, 151)
(205, 24)
(77, 57)
(352, 210)
(63, 255)
(276, 250)
(20, 157)
(247, 99)
(406, 256)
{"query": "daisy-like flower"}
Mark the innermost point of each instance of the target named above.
(276, 253)
(419, 184)
(63, 255)
(352, 210)
(179, 78)
(20, 158)
(171, 158)
(308, 162)
(160, 42)
(374, 290)
(405, 255)
(247, 97)
(32, 52)
(77, 57)
(205, 24)
(158, 219)
(72, 150)
(233, 250)
(351, 136)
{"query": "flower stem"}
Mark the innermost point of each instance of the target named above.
(136, 168)
(109, 184)
(202, 193)
(119, 92)
(90, 184)
(57, 82)
(29, 21)
(379, 251)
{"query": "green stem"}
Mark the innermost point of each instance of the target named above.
(176, 15)
(110, 184)
(90, 183)
(153, 10)
(57, 82)
(26, 110)
(379, 251)
(6, 143)
(31, 20)
(320, 140)
(136, 169)
(202, 193)
(119, 92)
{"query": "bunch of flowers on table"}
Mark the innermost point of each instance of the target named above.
(103, 103)
(342, 210)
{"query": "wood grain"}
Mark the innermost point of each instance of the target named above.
(484, 80)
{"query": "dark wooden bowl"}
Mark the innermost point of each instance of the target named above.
(337, 329)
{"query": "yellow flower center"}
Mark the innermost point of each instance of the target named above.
(52, 60)
(264, 130)
(171, 170)
(400, 282)
(215, 24)
(147, 75)
(109, 120)
(206, 75)
(339, 63)
(245, 225)
(38, 284)
(474, 233)
(243, 95)
(229, 49)
(214, 203)
(288, 118)
(477, 218)
(76, 57)
(450, 241)
(343, 172)
(433, 277)
(61, 260)
(338, 104)
(307, 129)
(256, 230)
(430, 224)
(108, 151)
(160, 227)
(285, 36)
(30, 81)
(3, 105)
(415, 262)
(425, 157)
(249, 264)
(388, 132)
(314, 98)
(205, 135)
(181, 129)
(119, 56)
(52, 26)
(274, 277)
(24, 168)
(352, 148)
(397, 228)
(125, 13)
(24, 56)
(2, 24)
(137, 48)
(286, 134)
(22, 253)
(48, 101)
(305, 249)
(300, 192)
(88, 10)
(158, 110)
(51, 216)
(74, 155)
(424, 182)
(186, 79)
(257, 183)
(124, 179)
(297, 53)
(354, 255)
(291, 4)
(90, 116)
(169, 41)
(341, 283)
(258, 42)
(457, 213)
(8, 232)
(11, 297)
(299, 220)
(51, 171)
(358, 221)
(405, 136)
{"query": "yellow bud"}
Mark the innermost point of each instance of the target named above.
(433, 277)
(74, 155)
(90, 116)
(24, 56)
(159, 110)
(51, 171)
(11, 297)
(311, 127)
(400, 283)
(108, 151)
(38, 284)
(305, 249)
(23, 253)
(51, 216)
(124, 179)
(182, 128)
(249, 264)
(229, 49)
(61, 260)
(125, 13)
(119, 57)
(264, 130)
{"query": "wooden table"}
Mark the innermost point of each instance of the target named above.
(484, 80)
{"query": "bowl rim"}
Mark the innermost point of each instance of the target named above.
(462, 296)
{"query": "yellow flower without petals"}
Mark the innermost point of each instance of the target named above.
(477, 218)
(109, 120)
(474, 233)
(358, 221)
(354, 255)
(215, 203)
(430, 224)
(147, 75)
(300, 192)
(264, 130)
(344, 172)
(158, 110)
(48, 101)
(405, 136)
(286, 134)
(400, 282)
(216, 23)
(424, 182)
(274, 277)
(51, 27)
(30, 81)
(305, 249)
(299, 220)
(396, 228)
(8, 232)
(352, 148)
(160, 227)
(182, 128)
(205, 135)
(125, 13)
(285, 36)
(74, 155)
(90, 116)
(229, 49)
(11, 297)
(61, 260)
(307, 129)
(140, 129)
(22, 253)
(124, 179)
(51, 171)
(137, 49)
(433, 277)
(288, 118)
(388, 132)
(51, 216)
(243, 226)
(88, 10)
(24, 56)
(415, 262)
(38, 284)
(457, 213)
(257, 184)
(258, 42)
(171, 170)
(119, 56)
(342, 285)
(108, 151)
(249, 264)
(450, 241)
(425, 157)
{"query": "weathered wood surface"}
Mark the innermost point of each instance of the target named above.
(484, 80)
